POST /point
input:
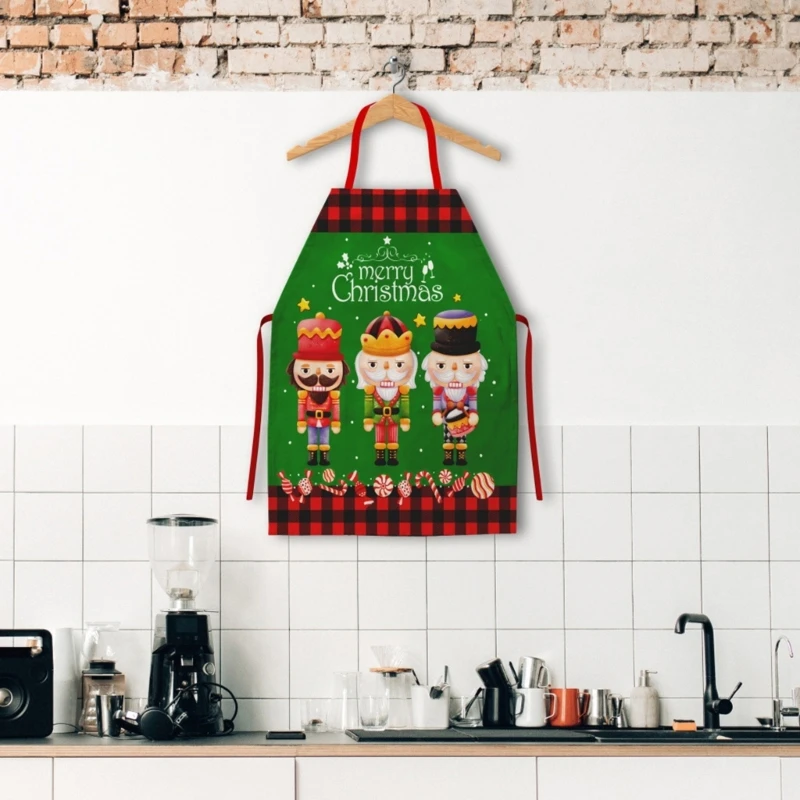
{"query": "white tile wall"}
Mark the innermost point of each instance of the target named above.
(651, 522)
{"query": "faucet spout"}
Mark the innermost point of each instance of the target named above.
(713, 706)
(777, 703)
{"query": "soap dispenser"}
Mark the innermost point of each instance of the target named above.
(644, 705)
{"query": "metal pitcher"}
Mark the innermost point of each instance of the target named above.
(533, 673)
(600, 712)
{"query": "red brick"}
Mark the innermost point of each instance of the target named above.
(72, 36)
(161, 59)
(501, 32)
(116, 34)
(579, 31)
(541, 32)
(158, 33)
(28, 35)
(113, 62)
(652, 7)
(70, 62)
(20, 62)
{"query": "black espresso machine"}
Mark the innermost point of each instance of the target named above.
(26, 683)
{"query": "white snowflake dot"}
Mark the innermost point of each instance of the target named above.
(494, 383)
(486, 314)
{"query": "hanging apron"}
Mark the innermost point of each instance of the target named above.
(393, 372)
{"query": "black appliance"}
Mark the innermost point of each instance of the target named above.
(183, 674)
(26, 684)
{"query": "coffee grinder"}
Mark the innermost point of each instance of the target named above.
(184, 697)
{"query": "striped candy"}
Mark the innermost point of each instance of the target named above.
(361, 490)
(425, 475)
(445, 476)
(328, 475)
(383, 486)
(482, 485)
(287, 486)
(338, 491)
(458, 484)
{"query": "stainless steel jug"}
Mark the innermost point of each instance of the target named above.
(601, 708)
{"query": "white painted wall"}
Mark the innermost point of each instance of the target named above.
(652, 238)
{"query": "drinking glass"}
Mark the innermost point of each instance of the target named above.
(314, 716)
(373, 701)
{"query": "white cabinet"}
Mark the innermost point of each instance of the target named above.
(790, 778)
(660, 778)
(170, 778)
(403, 778)
(31, 778)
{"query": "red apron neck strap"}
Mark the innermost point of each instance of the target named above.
(355, 144)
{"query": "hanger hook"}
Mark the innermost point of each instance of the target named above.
(396, 66)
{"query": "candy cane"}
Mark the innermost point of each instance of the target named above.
(424, 475)
(361, 490)
(305, 486)
(458, 484)
(287, 486)
(338, 491)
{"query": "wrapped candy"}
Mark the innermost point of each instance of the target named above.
(305, 486)
(383, 486)
(328, 475)
(404, 488)
(424, 475)
(287, 486)
(360, 489)
(458, 484)
(445, 476)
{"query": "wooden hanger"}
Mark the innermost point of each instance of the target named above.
(394, 106)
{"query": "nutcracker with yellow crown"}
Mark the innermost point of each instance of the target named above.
(318, 370)
(386, 366)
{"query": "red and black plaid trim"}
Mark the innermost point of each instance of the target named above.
(420, 515)
(393, 211)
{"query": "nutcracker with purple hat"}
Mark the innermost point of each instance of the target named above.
(317, 370)
(455, 368)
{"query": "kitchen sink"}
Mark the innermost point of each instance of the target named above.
(743, 735)
(584, 736)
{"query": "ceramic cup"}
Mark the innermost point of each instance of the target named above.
(532, 708)
(427, 712)
(569, 707)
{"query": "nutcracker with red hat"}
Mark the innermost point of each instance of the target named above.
(386, 366)
(318, 370)
(455, 369)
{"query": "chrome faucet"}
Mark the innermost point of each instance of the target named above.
(778, 711)
(713, 705)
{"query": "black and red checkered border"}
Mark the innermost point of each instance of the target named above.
(420, 515)
(394, 211)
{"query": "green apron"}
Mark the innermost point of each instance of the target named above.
(393, 372)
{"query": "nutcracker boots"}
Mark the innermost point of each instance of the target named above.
(312, 455)
(393, 454)
(380, 455)
(461, 454)
(448, 453)
(324, 449)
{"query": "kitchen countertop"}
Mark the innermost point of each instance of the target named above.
(254, 745)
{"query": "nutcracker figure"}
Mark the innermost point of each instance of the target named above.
(318, 370)
(454, 369)
(386, 366)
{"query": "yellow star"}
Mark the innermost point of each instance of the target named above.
(457, 298)
(419, 320)
(304, 305)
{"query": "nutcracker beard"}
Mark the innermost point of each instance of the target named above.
(318, 403)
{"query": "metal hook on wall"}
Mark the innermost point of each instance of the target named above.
(396, 66)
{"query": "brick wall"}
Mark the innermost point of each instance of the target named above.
(450, 44)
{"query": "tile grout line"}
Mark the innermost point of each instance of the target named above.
(633, 593)
(700, 511)
(769, 563)
(14, 529)
(563, 562)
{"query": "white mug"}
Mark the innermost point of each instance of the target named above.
(532, 708)
(427, 712)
